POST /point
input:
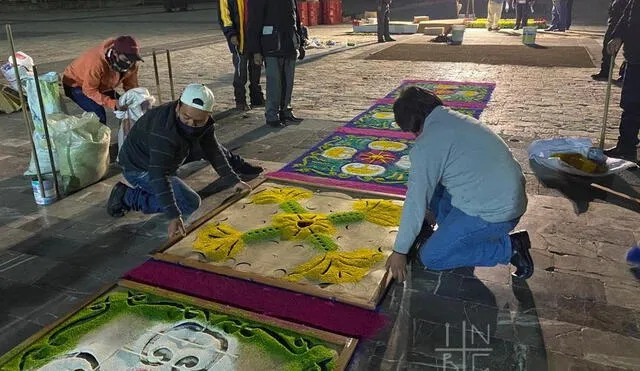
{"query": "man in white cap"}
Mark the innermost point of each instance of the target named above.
(158, 144)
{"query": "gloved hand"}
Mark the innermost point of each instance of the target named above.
(301, 53)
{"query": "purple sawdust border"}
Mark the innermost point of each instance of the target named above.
(349, 185)
(346, 185)
(410, 82)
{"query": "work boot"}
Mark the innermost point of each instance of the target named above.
(380, 40)
(629, 155)
(600, 76)
(389, 39)
(520, 256)
(290, 117)
(276, 124)
(116, 206)
(248, 171)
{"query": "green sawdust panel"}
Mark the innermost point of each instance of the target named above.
(134, 330)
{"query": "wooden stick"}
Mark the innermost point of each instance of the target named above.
(46, 131)
(173, 94)
(25, 115)
(616, 193)
(607, 98)
(157, 75)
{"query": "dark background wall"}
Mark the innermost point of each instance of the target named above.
(586, 12)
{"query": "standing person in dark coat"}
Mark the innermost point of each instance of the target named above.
(384, 8)
(522, 8)
(232, 16)
(274, 35)
(627, 33)
(616, 9)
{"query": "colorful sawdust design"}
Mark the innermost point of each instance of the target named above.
(338, 266)
(167, 334)
(219, 242)
(380, 117)
(347, 159)
(454, 93)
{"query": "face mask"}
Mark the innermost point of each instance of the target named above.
(190, 131)
(116, 63)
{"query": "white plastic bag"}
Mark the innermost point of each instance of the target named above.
(138, 102)
(81, 145)
(42, 152)
(541, 151)
(25, 67)
(51, 98)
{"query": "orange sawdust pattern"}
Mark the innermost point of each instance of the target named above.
(301, 226)
(337, 266)
(218, 242)
(380, 212)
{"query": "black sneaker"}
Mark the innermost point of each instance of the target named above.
(248, 171)
(276, 124)
(520, 256)
(389, 39)
(380, 40)
(600, 76)
(615, 152)
(116, 206)
(290, 117)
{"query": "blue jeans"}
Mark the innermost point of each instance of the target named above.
(462, 240)
(630, 104)
(141, 198)
(88, 104)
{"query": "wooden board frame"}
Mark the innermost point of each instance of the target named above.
(346, 344)
(161, 255)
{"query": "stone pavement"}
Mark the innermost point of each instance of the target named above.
(580, 311)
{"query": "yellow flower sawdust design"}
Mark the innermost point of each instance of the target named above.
(301, 226)
(280, 195)
(381, 212)
(218, 242)
(337, 266)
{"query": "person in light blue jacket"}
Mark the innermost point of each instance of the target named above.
(464, 174)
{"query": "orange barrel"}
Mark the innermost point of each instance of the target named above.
(303, 9)
(332, 12)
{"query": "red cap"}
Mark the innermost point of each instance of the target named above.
(128, 46)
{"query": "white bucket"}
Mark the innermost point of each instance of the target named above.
(457, 34)
(49, 191)
(529, 35)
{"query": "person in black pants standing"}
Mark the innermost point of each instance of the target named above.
(626, 33)
(384, 8)
(522, 12)
(616, 9)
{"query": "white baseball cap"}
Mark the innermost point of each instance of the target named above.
(198, 96)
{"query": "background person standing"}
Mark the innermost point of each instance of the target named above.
(275, 37)
(232, 16)
(384, 9)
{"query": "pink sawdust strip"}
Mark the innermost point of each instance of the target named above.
(376, 132)
(280, 303)
(337, 183)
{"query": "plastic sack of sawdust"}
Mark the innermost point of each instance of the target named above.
(81, 145)
(138, 102)
(51, 98)
(25, 67)
(551, 152)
